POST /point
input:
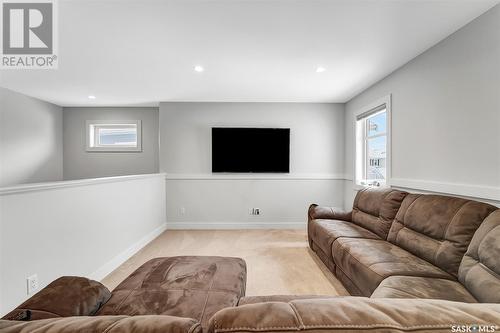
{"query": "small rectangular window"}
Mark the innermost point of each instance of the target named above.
(372, 141)
(114, 136)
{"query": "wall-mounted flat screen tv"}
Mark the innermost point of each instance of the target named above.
(246, 150)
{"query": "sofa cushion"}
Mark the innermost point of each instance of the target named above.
(188, 286)
(279, 298)
(438, 228)
(108, 324)
(316, 213)
(355, 314)
(325, 232)
(325, 258)
(375, 208)
(366, 262)
(480, 267)
(64, 297)
(422, 287)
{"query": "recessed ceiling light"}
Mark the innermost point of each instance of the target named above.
(320, 69)
(198, 69)
(91, 97)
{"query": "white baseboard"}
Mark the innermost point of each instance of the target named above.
(234, 225)
(114, 263)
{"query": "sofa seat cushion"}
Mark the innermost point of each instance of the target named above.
(191, 287)
(422, 287)
(325, 232)
(366, 262)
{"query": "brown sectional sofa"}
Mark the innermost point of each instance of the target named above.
(428, 264)
(104, 324)
(395, 244)
(356, 314)
(185, 287)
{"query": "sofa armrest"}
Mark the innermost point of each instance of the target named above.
(354, 314)
(65, 297)
(329, 213)
(104, 324)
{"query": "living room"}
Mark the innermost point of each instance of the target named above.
(285, 152)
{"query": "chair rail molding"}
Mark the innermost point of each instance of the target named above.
(466, 190)
(72, 183)
(263, 176)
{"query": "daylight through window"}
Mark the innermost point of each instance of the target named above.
(371, 161)
(113, 136)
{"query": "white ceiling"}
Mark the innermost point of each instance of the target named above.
(143, 52)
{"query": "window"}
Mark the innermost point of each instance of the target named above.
(372, 163)
(114, 136)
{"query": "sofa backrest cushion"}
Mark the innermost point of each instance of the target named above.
(353, 314)
(104, 324)
(438, 228)
(480, 268)
(375, 208)
(67, 296)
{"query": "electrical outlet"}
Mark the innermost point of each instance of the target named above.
(32, 282)
(254, 211)
(182, 211)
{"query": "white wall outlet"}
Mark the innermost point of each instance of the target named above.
(32, 282)
(182, 211)
(254, 211)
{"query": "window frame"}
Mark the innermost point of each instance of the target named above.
(90, 136)
(361, 139)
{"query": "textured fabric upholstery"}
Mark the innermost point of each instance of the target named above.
(438, 228)
(326, 258)
(108, 324)
(279, 298)
(325, 232)
(371, 217)
(354, 314)
(480, 267)
(67, 296)
(375, 209)
(316, 213)
(422, 287)
(192, 287)
(367, 262)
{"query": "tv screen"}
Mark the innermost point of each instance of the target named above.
(251, 150)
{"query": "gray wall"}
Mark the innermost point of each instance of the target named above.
(196, 198)
(78, 163)
(316, 133)
(30, 140)
(445, 114)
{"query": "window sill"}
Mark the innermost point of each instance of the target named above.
(114, 149)
(358, 187)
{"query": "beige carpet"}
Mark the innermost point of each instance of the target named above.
(278, 261)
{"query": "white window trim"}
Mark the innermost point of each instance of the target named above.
(386, 100)
(91, 148)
